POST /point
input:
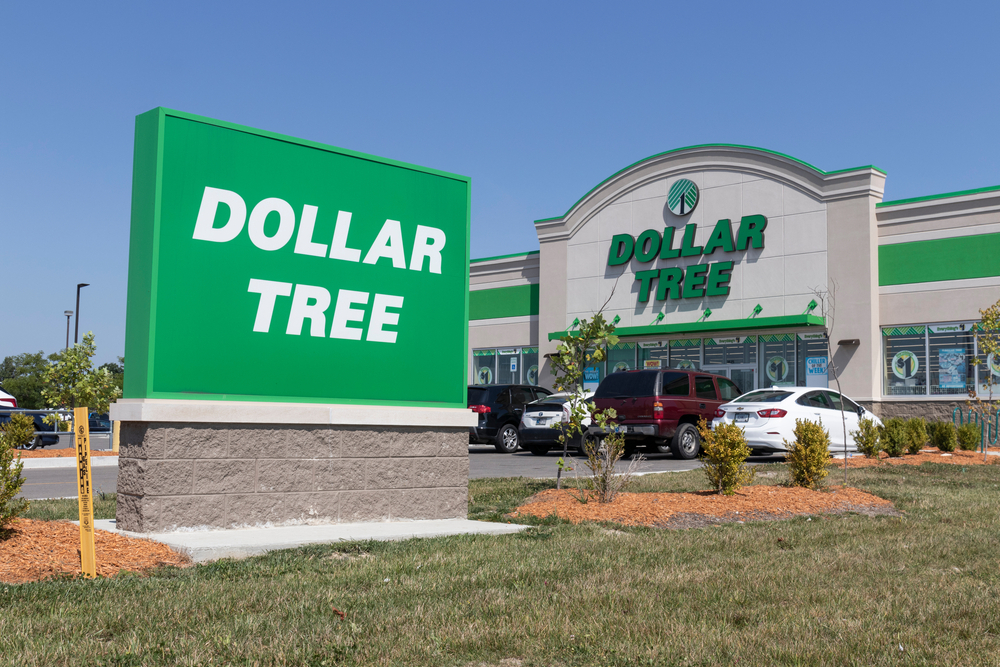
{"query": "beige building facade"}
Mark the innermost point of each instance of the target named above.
(760, 267)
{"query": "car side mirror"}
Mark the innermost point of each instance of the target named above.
(861, 411)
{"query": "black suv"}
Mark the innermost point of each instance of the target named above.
(499, 407)
(41, 440)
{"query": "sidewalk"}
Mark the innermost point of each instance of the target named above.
(207, 545)
(69, 462)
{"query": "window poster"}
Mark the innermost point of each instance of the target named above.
(951, 368)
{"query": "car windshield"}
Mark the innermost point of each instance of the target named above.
(551, 400)
(627, 385)
(763, 396)
(477, 396)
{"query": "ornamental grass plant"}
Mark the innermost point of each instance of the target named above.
(724, 452)
(808, 455)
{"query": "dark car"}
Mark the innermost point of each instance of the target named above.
(41, 439)
(660, 409)
(499, 407)
(100, 423)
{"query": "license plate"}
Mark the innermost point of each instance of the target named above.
(742, 417)
(619, 428)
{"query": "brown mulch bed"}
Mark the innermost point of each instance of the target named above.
(932, 455)
(701, 508)
(36, 550)
(60, 453)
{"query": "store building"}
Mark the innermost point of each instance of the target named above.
(755, 265)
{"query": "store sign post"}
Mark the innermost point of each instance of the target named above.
(268, 268)
(88, 557)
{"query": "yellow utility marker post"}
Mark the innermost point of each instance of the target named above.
(88, 557)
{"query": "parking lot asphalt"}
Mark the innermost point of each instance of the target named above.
(484, 461)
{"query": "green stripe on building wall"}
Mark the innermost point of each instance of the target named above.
(957, 258)
(517, 301)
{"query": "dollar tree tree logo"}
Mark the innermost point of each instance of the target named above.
(682, 197)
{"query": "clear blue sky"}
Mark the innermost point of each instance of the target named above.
(536, 101)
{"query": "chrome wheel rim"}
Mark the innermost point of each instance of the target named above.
(688, 442)
(509, 438)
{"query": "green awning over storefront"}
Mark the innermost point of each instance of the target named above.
(721, 325)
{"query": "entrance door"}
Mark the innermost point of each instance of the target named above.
(743, 375)
(744, 378)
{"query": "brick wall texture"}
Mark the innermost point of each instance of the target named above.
(173, 476)
(932, 411)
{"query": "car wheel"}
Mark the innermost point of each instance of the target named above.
(538, 450)
(662, 447)
(686, 442)
(507, 439)
(34, 444)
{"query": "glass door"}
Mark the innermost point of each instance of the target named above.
(743, 376)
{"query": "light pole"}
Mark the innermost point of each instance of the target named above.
(76, 334)
(68, 314)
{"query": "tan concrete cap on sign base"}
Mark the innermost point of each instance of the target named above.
(208, 545)
(251, 412)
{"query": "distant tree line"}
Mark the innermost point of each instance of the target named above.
(62, 378)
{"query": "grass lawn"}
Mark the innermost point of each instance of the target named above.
(847, 590)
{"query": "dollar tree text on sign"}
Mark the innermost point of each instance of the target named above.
(312, 302)
(693, 281)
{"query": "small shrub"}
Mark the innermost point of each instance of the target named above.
(969, 437)
(894, 437)
(15, 433)
(808, 455)
(867, 438)
(916, 435)
(724, 452)
(943, 436)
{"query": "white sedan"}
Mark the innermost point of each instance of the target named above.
(536, 431)
(768, 416)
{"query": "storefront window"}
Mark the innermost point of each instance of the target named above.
(813, 358)
(733, 350)
(621, 357)
(485, 364)
(509, 366)
(529, 357)
(777, 360)
(653, 355)
(987, 373)
(952, 353)
(905, 361)
(685, 353)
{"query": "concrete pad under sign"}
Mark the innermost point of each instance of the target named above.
(208, 545)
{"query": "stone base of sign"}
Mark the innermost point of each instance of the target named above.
(932, 411)
(174, 475)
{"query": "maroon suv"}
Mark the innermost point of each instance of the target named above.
(660, 409)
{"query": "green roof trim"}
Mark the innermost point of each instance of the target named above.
(934, 260)
(946, 195)
(687, 148)
(516, 301)
(516, 254)
(721, 325)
